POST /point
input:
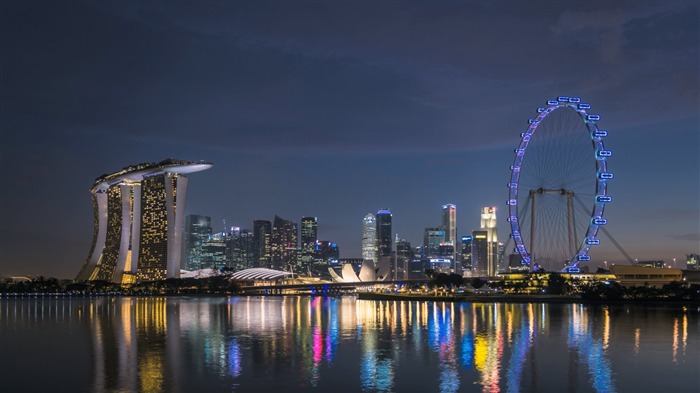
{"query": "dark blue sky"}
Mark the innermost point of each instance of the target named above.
(336, 109)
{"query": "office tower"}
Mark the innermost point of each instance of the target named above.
(449, 223)
(197, 231)
(384, 245)
(326, 255)
(240, 248)
(404, 255)
(139, 216)
(284, 244)
(432, 238)
(480, 254)
(501, 256)
(214, 251)
(369, 238)
(488, 224)
(309, 236)
(262, 236)
(466, 254)
(691, 262)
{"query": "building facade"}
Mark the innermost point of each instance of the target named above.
(139, 216)
(197, 231)
(262, 237)
(488, 224)
(369, 238)
(449, 223)
(384, 240)
(284, 244)
(309, 237)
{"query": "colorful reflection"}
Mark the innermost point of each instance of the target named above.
(273, 344)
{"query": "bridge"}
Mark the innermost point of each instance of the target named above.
(320, 288)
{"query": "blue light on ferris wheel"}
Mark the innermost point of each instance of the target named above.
(605, 176)
(600, 133)
(563, 99)
(599, 221)
(604, 153)
(593, 242)
(584, 106)
(603, 198)
(574, 100)
(584, 258)
(552, 102)
(593, 117)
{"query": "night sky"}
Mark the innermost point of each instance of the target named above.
(336, 109)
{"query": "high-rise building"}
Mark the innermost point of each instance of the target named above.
(466, 254)
(139, 216)
(326, 255)
(309, 236)
(449, 223)
(369, 238)
(240, 249)
(262, 238)
(214, 251)
(284, 244)
(404, 255)
(384, 240)
(197, 232)
(480, 254)
(691, 261)
(488, 224)
(432, 238)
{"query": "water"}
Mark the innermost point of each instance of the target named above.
(287, 344)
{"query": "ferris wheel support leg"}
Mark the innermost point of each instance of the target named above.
(532, 228)
(570, 222)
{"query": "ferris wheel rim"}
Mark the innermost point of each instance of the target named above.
(602, 176)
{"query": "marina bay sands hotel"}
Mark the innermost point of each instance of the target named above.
(139, 213)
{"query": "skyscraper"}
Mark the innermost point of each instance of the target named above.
(449, 223)
(466, 254)
(284, 244)
(262, 238)
(197, 232)
(480, 253)
(432, 238)
(139, 216)
(488, 224)
(369, 238)
(309, 236)
(384, 240)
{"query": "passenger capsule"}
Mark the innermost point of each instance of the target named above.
(512, 185)
(572, 269)
(552, 102)
(515, 168)
(593, 117)
(563, 99)
(605, 175)
(584, 106)
(604, 153)
(592, 242)
(574, 100)
(512, 202)
(540, 110)
(584, 258)
(512, 219)
(600, 133)
(600, 221)
(603, 198)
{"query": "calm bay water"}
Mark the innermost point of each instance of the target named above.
(287, 344)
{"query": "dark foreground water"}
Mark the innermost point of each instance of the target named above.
(248, 344)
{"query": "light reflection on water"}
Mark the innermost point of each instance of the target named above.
(323, 344)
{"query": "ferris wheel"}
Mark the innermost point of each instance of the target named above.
(558, 186)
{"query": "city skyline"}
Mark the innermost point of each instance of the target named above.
(335, 111)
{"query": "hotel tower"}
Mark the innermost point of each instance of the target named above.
(138, 220)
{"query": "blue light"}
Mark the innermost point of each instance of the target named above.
(600, 133)
(521, 248)
(593, 117)
(512, 185)
(531, 121)
(593, 242)
(563, 99)
(605, 175)
(584, 106)
(599, 221)
(515, 234)
(604, 153)
(603, 198)
(515, 168)
(512, 202)
(584, 258)
(574, 100)
(552, 102)
(540, 110)
(572, 269)
(512, 219)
